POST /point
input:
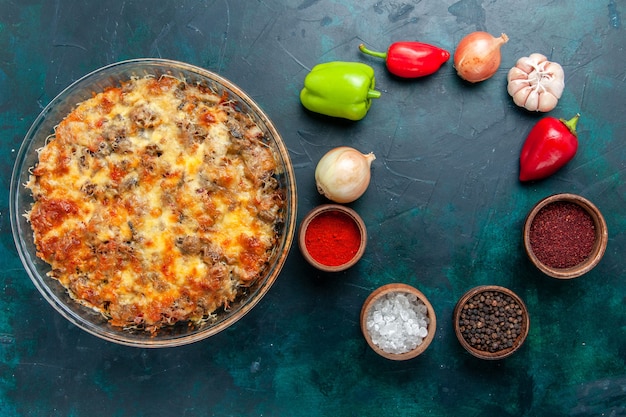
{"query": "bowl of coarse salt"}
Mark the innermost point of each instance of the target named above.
(398, 322)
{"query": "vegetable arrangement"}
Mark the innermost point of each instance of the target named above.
(346, 90)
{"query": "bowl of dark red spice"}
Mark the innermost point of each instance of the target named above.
(332, 237)
(398, 322)
(491, 322)
(565, 235)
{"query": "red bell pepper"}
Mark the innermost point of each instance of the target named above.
(550, 145)
(411, 59)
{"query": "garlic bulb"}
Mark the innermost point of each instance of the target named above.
(536, 83)
(343, 174)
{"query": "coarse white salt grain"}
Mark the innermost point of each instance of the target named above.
(398, 322)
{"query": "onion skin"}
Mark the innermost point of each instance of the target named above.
(477, 56)
(343, 174)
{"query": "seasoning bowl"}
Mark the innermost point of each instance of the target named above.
(332, 237)
(483, 333)
(577, 238)
(401, 310)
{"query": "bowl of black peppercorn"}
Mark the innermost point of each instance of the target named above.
(491, 322)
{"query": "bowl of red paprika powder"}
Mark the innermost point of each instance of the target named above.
(332, 237)
(565, 235)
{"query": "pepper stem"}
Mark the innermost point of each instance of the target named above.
(571, 123)
(363, 49)
(373, 93)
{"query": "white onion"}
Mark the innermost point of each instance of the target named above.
(343, 174)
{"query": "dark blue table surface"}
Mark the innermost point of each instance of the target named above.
(444, 213)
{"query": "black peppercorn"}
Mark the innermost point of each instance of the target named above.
(490, 321)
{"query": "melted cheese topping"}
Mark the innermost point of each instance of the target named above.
(155, 202)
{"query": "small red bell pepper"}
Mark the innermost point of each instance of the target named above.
(550, 145)
(411, 59)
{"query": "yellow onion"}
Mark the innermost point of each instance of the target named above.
(477, 56)
(343, 174)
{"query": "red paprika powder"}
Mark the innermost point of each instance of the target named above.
(332, 238)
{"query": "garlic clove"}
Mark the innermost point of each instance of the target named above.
(532, 101)
(555, 70)
(520, 97)
(555, 89)
(556, 75)
(516, 85)
(516, 73)
(525, 65)
(537, 58)
(547, 102)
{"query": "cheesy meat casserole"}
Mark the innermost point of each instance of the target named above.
(156, 202)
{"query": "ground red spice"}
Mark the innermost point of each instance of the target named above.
(562, 235)
(332, 238)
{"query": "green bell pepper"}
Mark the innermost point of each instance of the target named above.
(340, 89)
